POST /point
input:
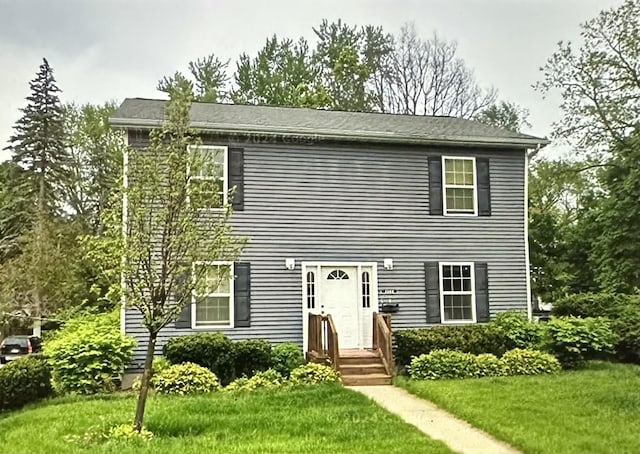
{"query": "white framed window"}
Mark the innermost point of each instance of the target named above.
(311, 290)
(457, 293)
(212, 301)
(459, 179)
(208, 179)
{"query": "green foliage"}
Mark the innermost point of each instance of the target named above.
(506, 115)
(251, 356)
(88, 353)
(441, 363)
(186, 378)
(594, 304)
(211, 350)
(518, 331)
(207, 83)
(573, 340)
(127, 432)
(312, 373)
(268, 379)
(528, 362)
(488, 365)
(24, 380)
(286, 357)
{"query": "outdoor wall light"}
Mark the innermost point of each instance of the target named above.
(289, 263)
(388, 264)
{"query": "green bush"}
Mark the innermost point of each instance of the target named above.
(479, 338)
(622, 310)
(286, 357)
(518, 331)
(488, 365)
(573, 340)
(186, 378)
(442, 363)
(312, 373)
(24, 380)
(268, 379)
(87, 354)
(521, 361)
(211, 350)
(251, 356)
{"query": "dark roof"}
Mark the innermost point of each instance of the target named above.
(326, 124)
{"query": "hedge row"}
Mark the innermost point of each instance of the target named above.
(24, 380)
(230, 360)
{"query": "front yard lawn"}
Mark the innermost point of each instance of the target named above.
(596, 410)
(324, 418)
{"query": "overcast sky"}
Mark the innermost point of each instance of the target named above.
(110, 50)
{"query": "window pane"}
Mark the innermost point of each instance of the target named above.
(457, 285)
(457, 307)
(215, 279)
(456, 270)
(466, 285)
(212, 310)
(208, 162)
(460, 199)
(206, 193)
(446, 285)
(446, 271)
(466, 271)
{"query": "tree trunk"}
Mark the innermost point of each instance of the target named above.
(146, 379)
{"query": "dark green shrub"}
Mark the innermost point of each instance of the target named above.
(312, 373)
(476, 339)
(521, 361)
(186, 378)
(622, 310)
(88, 353)
(24, 380)
(488, 365)
(268, 379)
(573, 340)
(211, 350)
(286, 357)
(441, 363)
(251, 356)
(518, 331)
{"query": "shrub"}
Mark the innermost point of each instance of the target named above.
(312, 373)
(521, 361)
(622, 310)
(186, 378)
(573, 340)
(211, 350)
(268, 379)
(88, 353)
(480, 338)
(251, 356)
(488, 365)
(442, 363)
(127, 432)
(518, 331)
(286, 357)
(24, 380)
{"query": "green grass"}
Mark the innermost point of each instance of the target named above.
(596, 410)
(314, 419)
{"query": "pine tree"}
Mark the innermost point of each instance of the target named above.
(38, 142)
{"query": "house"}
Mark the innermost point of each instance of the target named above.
(351, 213)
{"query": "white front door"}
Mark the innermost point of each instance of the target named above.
(346, 291)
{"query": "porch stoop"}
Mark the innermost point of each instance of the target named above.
(363, 368)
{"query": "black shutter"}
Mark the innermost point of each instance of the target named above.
(435, 185)
(482, 291)
(180, 294)
(242, 295)
(236, 177)
(432, 288)
(484, 187)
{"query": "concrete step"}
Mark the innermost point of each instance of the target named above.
(362, 369)
(367, 380)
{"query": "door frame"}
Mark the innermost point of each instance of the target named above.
(317, 266)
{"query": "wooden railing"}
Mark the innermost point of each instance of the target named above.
(382, 340)
(322, 342)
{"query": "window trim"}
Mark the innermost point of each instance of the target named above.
(474, 316)
(225, 175)
(194, 305)
(445, 186)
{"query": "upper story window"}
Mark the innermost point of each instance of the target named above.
(459, 185)
(457, 292)
(208, 176)
(213, 294)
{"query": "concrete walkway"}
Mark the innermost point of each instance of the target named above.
(437, 423)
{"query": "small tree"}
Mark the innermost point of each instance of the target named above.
(165, 234)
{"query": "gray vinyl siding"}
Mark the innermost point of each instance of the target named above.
(339, 203)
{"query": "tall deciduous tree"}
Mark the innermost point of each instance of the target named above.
(208, 80)
(506, 115)
(600, 81)
(165, 234)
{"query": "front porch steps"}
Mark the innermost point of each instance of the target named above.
(363, 368)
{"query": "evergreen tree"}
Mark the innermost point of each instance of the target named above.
(38, 143)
